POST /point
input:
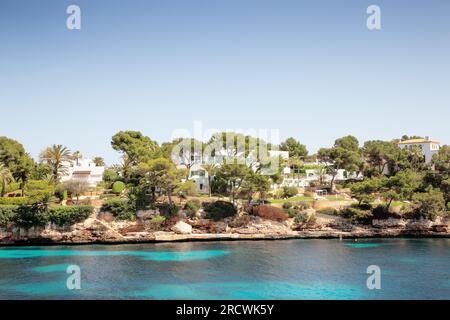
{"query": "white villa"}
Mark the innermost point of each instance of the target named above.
(84, 170)
(313, 175)
(428, 147)
(316, 172)
(199, 175)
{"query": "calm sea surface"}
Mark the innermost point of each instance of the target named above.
(294, 269)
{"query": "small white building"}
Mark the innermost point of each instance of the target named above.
(195, 162)
(199, 176)
(428, 147)
(84, 170)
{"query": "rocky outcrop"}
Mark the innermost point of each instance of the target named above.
(182, 228)
(255, 228)
(147, 214)
(388, 223)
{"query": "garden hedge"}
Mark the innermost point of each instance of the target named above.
(29, 216)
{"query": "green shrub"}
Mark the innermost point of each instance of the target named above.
(7, 215)
(16, 201)
(312, 218)
(61, 192)
(118, 187)
(356, 214)
(191, 207)
(448, 206)
(380, 212)
(287, 205)
(30, 216)
(303, 205)
(309, 194)
(12, 187)
(187, 188)
(110, 176)
(168, 209)
(39, 189)
(429, 205)
(289, 192)
(292, 212)
(157, 220)
(69, 215)
(121, 209)
(301, 218)
(328, 211)
(219, 210)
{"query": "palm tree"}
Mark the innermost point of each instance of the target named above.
(99, 161)
(24, 170)
(5, 177)
(77, 156)
(55, 156)
(295, 164)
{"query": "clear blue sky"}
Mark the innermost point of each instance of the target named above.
(309, 68)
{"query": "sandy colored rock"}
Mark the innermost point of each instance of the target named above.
(182, 227)
(388, 223)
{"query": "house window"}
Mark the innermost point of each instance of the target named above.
(201, 186)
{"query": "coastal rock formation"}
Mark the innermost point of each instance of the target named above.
(255, 228)
(182, 228)
(388, 223)
(147, 214)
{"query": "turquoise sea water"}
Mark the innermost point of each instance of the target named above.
(294, 269)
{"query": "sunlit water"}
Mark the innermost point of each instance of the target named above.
(294, 269)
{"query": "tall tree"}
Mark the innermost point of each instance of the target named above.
(135, 147)
(55, 156)
(185, 152)
(379, 157)
(11, 153)
(295, 148)
(24, 170)
(76, 188)
(255, 183)
(163, 174)
(364, 191)
(234, 174)
(439, 175)
(237, 147)
(401, 186)
(77, 156)
(345, 154)
(99, 161)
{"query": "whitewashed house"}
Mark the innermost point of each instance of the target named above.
(196, 161)
(199, 176)
(428, 147)
(83, 170)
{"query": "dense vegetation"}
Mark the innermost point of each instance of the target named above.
(35, 215)
(148, 178)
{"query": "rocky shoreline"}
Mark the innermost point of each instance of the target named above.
(95, 231)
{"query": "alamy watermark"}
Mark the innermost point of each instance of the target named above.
(73, 21)
(374, 20)
(73, 282)
(238, 146)
(374, 280)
